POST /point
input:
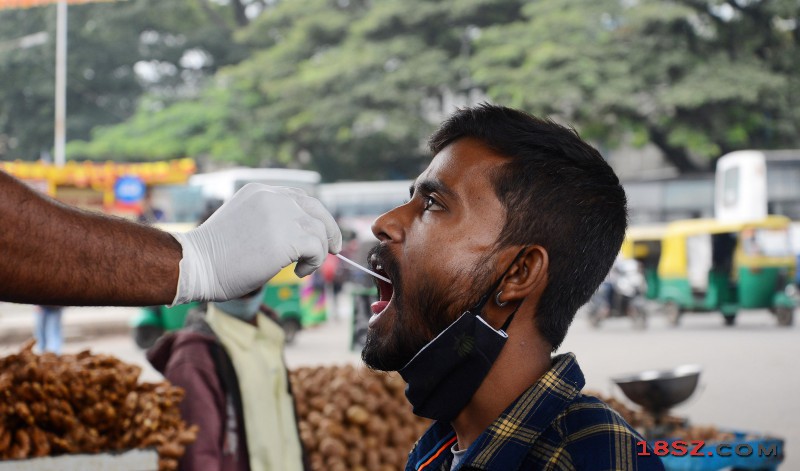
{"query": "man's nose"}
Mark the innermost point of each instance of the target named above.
(388, 227)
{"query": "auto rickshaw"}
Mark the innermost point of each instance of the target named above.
(643, 244)
(297, 301)
(707, 265)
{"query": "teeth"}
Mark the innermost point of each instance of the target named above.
(379, 267)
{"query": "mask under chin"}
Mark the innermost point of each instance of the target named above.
(443, 376)
(244, 308)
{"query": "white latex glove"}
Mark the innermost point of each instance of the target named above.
(248, 240)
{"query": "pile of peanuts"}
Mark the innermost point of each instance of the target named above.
(354, 418)
(84, 403)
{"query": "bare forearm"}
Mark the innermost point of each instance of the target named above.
(54, 254)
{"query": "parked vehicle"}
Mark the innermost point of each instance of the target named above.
(223, 184)
(749, 184)
(708, 265)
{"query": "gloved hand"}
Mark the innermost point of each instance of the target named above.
(250, 239)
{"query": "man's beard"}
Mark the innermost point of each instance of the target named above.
(423, 315)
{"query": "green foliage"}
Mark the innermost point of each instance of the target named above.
(353, 87)
(698, 77)
(105, 43)
(345, 86)
(337, 86)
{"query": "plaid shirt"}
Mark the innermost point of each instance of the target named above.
(551, 426)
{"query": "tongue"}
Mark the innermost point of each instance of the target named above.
(378, 306)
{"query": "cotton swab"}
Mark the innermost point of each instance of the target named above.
(341, 257)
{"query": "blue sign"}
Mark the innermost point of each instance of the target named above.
(129, 189)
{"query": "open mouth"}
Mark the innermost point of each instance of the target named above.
(385, 291)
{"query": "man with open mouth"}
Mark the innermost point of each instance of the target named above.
(509, 230)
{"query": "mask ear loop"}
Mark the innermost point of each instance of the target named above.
(510, 317)
(478, 308)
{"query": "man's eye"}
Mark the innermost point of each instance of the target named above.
(430, 203)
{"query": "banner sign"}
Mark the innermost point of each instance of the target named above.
(102, 175)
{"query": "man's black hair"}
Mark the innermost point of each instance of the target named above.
(559, 193)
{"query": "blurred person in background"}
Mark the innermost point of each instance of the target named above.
(230, 363)
(326, 282)
(509, 230)
(47, 329)
(104, 260)
(150, 214)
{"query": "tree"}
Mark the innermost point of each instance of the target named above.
(116, 52)
(343, 87)
(697, 78)
(353, 87)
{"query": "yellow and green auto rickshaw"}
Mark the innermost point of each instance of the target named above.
(708, 265)
(643, 244)
(297, 301)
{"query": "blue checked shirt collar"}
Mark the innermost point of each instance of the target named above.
(505, 443)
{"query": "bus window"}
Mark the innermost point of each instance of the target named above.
(730, 187)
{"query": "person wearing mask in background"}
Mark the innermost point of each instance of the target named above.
(509, 230)
(47, 329)
(56, 254)
(230, 363)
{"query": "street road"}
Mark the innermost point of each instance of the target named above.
(750, 377)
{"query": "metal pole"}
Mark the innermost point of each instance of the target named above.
(61, 84)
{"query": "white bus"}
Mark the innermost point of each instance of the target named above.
(363, 199)
(356, 205)
(753, 183)
(221, 185)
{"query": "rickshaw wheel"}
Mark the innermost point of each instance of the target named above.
(730, 320)
(785, 316)
(673, 313)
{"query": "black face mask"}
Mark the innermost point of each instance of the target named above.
(444, 375)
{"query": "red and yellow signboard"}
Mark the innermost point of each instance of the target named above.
(39, 3)
(99, 176)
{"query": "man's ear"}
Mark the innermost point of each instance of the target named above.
(528, 275)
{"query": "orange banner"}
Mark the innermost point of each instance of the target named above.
(39, 3)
